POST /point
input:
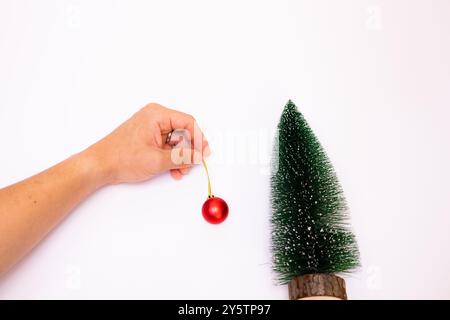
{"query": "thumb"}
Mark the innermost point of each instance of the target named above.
(178, 158)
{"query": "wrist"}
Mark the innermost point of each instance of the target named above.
(94, 168)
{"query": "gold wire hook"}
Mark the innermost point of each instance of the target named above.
(210, 195)
(209, 180)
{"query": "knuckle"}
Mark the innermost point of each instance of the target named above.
(191, 117)
(152, 106)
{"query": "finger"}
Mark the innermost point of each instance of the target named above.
(179, 158)
(206, 150)
(158, 138)
(180, 139)
(179, 120)
(185, 171)
(176, 174)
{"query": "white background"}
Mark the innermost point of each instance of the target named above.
(371, 77)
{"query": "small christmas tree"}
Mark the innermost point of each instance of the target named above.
(310, 237)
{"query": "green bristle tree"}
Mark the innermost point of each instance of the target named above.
(310, 233)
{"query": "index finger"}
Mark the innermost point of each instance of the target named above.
(175, 120)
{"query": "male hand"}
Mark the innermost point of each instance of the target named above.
(137, 150)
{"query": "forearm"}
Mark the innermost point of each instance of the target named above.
(31, 208)
(135, 151)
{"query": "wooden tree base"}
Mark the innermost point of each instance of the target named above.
(318, 286)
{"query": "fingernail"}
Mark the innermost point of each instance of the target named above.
(197, 157)
(185, 170)
(206, 151)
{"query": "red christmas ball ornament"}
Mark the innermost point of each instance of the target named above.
(215, 210)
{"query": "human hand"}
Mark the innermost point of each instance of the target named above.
(137, 150)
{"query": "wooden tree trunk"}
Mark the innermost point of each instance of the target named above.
(317, 286)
